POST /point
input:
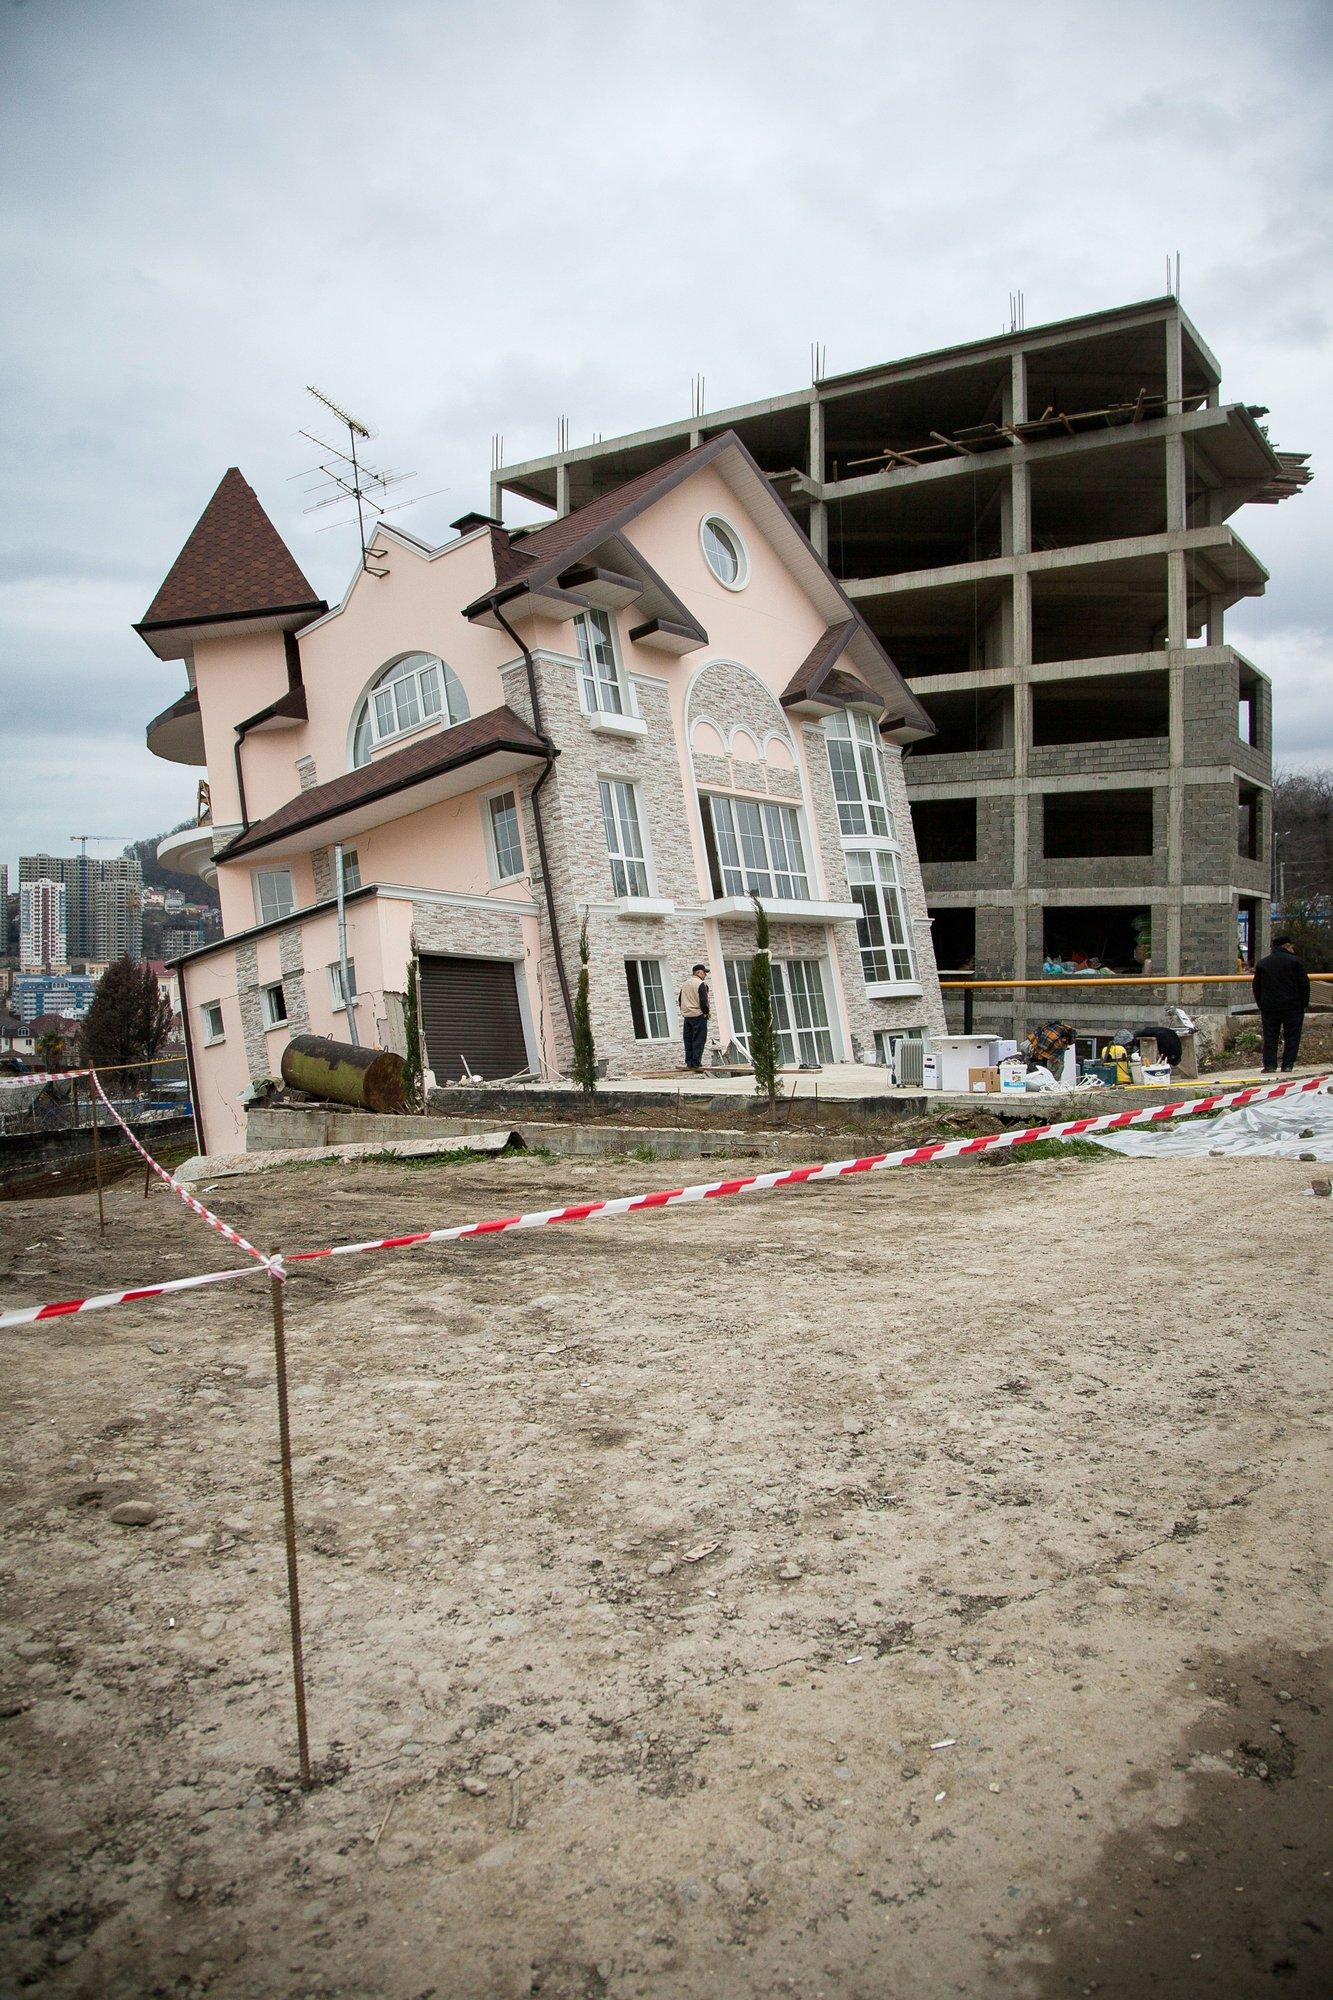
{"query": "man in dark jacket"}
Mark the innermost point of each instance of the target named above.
(1282, 994)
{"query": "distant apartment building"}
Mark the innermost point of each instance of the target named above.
(68, 994)
(43, 945)
(175, 943)
(104, 915)
(1036, 527)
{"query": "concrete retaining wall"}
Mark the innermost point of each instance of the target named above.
(24, 1153)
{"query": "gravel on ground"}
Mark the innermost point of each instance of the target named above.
(905, 1586)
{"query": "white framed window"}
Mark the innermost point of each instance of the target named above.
(503, 844)
(601, 687)
(351, 871)
(858, 774)
(414, 689)
(800, 1008)
(214, 1030)
(274, 1003)
(624, 837)
(647, 1000)
(754, 848)
(724, 552)
(274, 895)
(337, 996)
(874, 877)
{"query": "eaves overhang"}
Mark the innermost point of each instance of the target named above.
(173, 639)
(478, 752)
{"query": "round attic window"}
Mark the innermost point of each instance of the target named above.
(724, 552)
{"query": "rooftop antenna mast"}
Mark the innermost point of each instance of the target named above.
(351, 478)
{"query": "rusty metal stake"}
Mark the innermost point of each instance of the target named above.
(97, 1163)
(147, 1179)
(289, 1528)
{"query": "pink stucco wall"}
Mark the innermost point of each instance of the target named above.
(223, 1069)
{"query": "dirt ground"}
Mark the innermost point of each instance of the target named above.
(908, 1586)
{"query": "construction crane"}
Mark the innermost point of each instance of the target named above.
(102, 839)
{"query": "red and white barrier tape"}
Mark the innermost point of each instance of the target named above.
(59, 1307)
(46, 1076)
(707, 1190)
(191, 1202)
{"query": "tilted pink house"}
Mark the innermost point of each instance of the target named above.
(642, 712)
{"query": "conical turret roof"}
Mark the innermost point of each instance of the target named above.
(234, 565)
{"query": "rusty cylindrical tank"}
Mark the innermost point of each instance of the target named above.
(369, 1079)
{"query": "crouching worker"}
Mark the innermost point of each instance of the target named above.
(1046, 1046)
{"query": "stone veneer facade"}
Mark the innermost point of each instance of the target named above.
(728, 697)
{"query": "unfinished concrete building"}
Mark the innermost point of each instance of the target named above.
(1037, 528)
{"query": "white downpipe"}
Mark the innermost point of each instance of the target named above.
(349, 999)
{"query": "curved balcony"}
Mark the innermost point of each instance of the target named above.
(178, 733)
(189, 851)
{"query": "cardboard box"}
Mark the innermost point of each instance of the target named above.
(1013, 1077)
(983, 1081)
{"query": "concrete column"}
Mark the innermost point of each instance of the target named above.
(815, 468)
(1175, 812)
(1216, 621)
(1022, 618)
(1020, 506)
(1015, 394)
(1177, 618)
(1175, 360)
(1018, 543)
(562, 488)
(1177, 601)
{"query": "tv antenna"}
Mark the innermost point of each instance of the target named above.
(345, 475)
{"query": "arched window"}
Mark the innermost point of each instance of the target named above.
(413, 689)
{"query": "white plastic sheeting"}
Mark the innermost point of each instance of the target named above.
(1268, 1131)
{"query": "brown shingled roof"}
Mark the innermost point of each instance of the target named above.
(428, 757)
(611, 510)
(845, 688)
(828, 648)
(234, 564)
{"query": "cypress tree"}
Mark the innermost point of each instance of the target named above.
(585, 1049)
(763, 1033)
(412, 1035)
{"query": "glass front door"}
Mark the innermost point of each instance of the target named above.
(800, 1008)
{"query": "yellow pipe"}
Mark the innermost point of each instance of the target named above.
(1129, 979)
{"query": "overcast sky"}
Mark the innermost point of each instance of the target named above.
(464, 219)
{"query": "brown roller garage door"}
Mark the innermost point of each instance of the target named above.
(469, 1008)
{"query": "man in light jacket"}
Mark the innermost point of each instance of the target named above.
(694, 1016)
(1282, 994)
